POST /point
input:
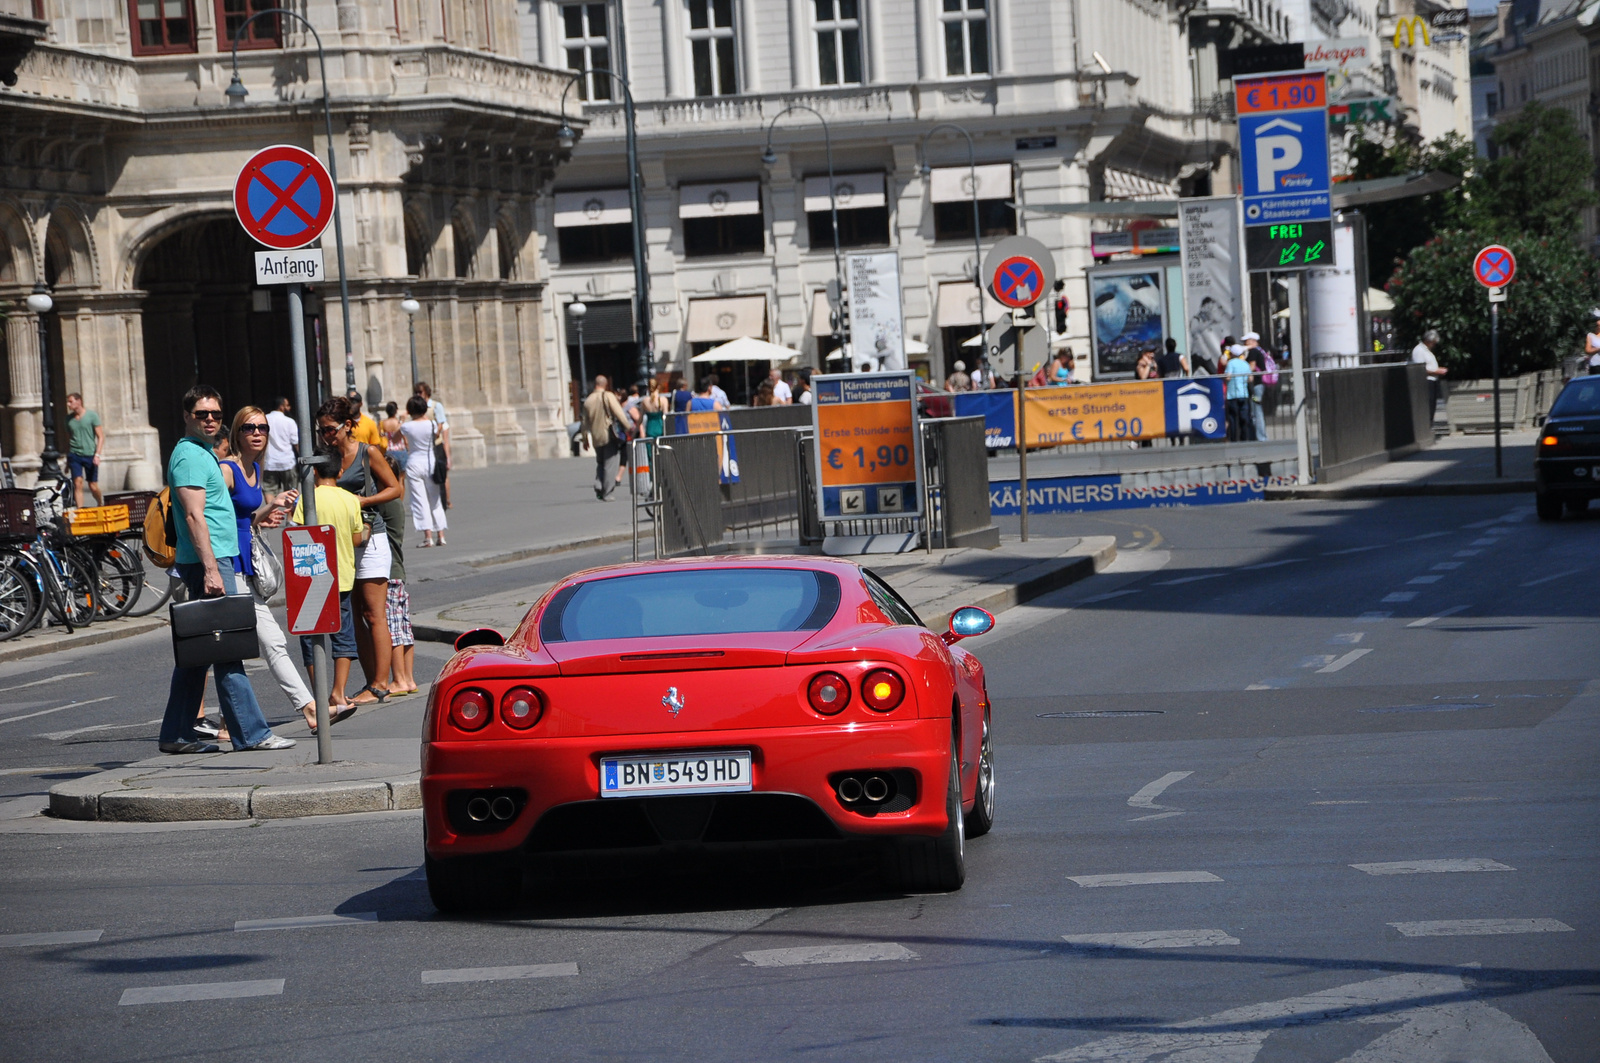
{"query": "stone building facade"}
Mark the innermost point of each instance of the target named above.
(118, 151)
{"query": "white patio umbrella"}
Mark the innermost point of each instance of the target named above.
(747, 349)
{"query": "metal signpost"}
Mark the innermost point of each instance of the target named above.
(1019, 271)
(868, 449)
(1495, 267)
(284, 198)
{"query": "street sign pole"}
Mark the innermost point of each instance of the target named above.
(1022, 428)
(1297, 368)
(322, 677)
(1494, 267)
(1494, 369)
(1020, 272)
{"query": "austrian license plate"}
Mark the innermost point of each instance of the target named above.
(725, 771)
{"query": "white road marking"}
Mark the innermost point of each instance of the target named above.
(1353, 550)
(1462, 1029)
(63, 937)
(1158, 815)
(1377, 614)
(170, 994)
(1484, 542)
(1446, 566)
(58, 708)
(1316, 660)
(499, 974)
(1348, 638)
(1428, 867)
(1105, 597)
(809, 954)
(1344, 662)
(1341, 802)
(1146, 797)
(1415, 580)
(1466, 553)
(1187, 579)
(1152, 939)
(298, 922)
(1400, 596)
(1424, 535)
(1452, 611)
(42, 682)
(1272, 564)
(1143, 878)
(1555, 576)
(56, 736)
(1445, 928)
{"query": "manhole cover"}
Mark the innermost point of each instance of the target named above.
(1433, 707)
(1098, 713)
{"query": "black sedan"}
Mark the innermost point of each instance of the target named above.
(1566, 468)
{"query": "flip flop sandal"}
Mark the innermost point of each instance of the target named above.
(377, 696)
(342, 715)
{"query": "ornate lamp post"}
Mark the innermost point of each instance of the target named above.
(566, 138)
(577, 308)
(841, 332)
(40, 303)
(977, 231)
(237, 93)
(411, 306)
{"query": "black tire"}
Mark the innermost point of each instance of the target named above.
(981, 819)
(121, 578)
(158, 589)
(82, 585)
(1549, 506)
(1576, 506)
(472, 884)
(19, 598)
(936, 865)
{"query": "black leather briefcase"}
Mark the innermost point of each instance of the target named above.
(214, 630)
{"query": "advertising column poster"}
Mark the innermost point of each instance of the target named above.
(877, 330)
(1213, 279)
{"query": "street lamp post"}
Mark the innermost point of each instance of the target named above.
(566, 138)
(40, 303)
(236, 93)
(841, 332)
(577, 309)
(926, 170)
(411, 306)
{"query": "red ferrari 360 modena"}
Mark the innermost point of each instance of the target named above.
(703, 705)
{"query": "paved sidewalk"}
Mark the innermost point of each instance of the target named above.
(1455, 465)
(378, 747)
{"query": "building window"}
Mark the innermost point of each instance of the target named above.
(162, 26)
(838, 42)
(595, 243)
(953, 221)
(857, 228)
(712, 47)
(740, 234)
(966, 37)
(264, 32)
(588, 47)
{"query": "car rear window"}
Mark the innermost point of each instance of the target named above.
(691, 602)
(1580, 397)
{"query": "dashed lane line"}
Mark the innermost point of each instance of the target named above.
(1484, 542)
(1430, 867)
(1440, 615)
(1423, 580)
(1272, 564)
(60, 937)
(1187, 579)
(300, 922)
(1344, 662)
(172, 994)
(1444, 928)
(1347, 638)
(1446, 566)
(1466, 553)
(1143, 878)
(56, 736)
(1146, 797)
(58, 708)
(499, 974)
(1152, 939)
(814, 954)
(43, 682)
(1400, 596)
(1555, 576)
(1354, 550)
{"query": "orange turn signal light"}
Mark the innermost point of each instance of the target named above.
(1549, 441)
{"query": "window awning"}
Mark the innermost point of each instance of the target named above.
(719, 200)
(853, 191)
(605, 206)
(953, 184)
(821, 315)
(717, 320)
(959, 305)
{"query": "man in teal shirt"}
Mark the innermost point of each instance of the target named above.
(86, 437)
(208, 541)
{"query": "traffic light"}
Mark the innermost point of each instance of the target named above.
(1062, 306)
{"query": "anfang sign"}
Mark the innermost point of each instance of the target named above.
(289, 267)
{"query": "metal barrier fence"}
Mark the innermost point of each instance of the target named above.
(957, 468)
(1370, 415)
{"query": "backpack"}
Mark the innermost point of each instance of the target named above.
(1270, 376)
(161, 531)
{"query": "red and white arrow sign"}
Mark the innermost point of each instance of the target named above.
(311, 579)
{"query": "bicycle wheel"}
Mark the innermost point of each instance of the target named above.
(121, 577)
(70, 584)
(19, 601)
(157, 588)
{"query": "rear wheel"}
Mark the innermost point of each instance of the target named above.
(472, 884)
(981, 818)
(936, 865)
(19, 600)
(121, 578)
(1549, 506)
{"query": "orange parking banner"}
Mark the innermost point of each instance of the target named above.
(867, 457)
(866, 443)
(1095, 413)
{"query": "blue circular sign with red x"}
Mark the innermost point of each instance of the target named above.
(1018, 282)
(283, 197)
(1494, 267)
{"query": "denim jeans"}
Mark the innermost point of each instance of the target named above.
(246, 725)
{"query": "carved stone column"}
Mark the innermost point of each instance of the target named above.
(24, 405)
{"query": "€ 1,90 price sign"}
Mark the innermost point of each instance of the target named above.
(868, 463)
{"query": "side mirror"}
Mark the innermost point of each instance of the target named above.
(481, 636)
(966, 622)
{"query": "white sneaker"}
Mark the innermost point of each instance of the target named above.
(274, 742)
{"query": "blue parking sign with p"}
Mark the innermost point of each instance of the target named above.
(1283, 157)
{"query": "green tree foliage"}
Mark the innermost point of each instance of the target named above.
(1529, 198)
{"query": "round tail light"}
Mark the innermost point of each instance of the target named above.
(882, 690)
(828, 693)
(469, 710)
(521, 707)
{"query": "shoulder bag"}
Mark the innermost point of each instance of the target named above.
(208, 631)
(441, 465)
(269, 571)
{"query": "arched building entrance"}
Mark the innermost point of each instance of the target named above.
(206, 321)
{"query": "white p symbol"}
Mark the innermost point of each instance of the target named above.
(1275, 154)
(1193, 406)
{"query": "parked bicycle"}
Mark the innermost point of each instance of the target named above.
(47, 571)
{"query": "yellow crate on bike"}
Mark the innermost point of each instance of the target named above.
(98, 520)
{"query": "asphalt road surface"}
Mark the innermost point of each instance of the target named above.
(1306, 781)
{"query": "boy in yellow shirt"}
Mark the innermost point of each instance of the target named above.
(342, 510)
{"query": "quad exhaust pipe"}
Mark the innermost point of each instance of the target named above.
(871, 788)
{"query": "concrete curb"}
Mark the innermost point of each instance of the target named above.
(1400, 490)
(115, 796)
(1038, 580)
(37, 645)
(544, 549)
